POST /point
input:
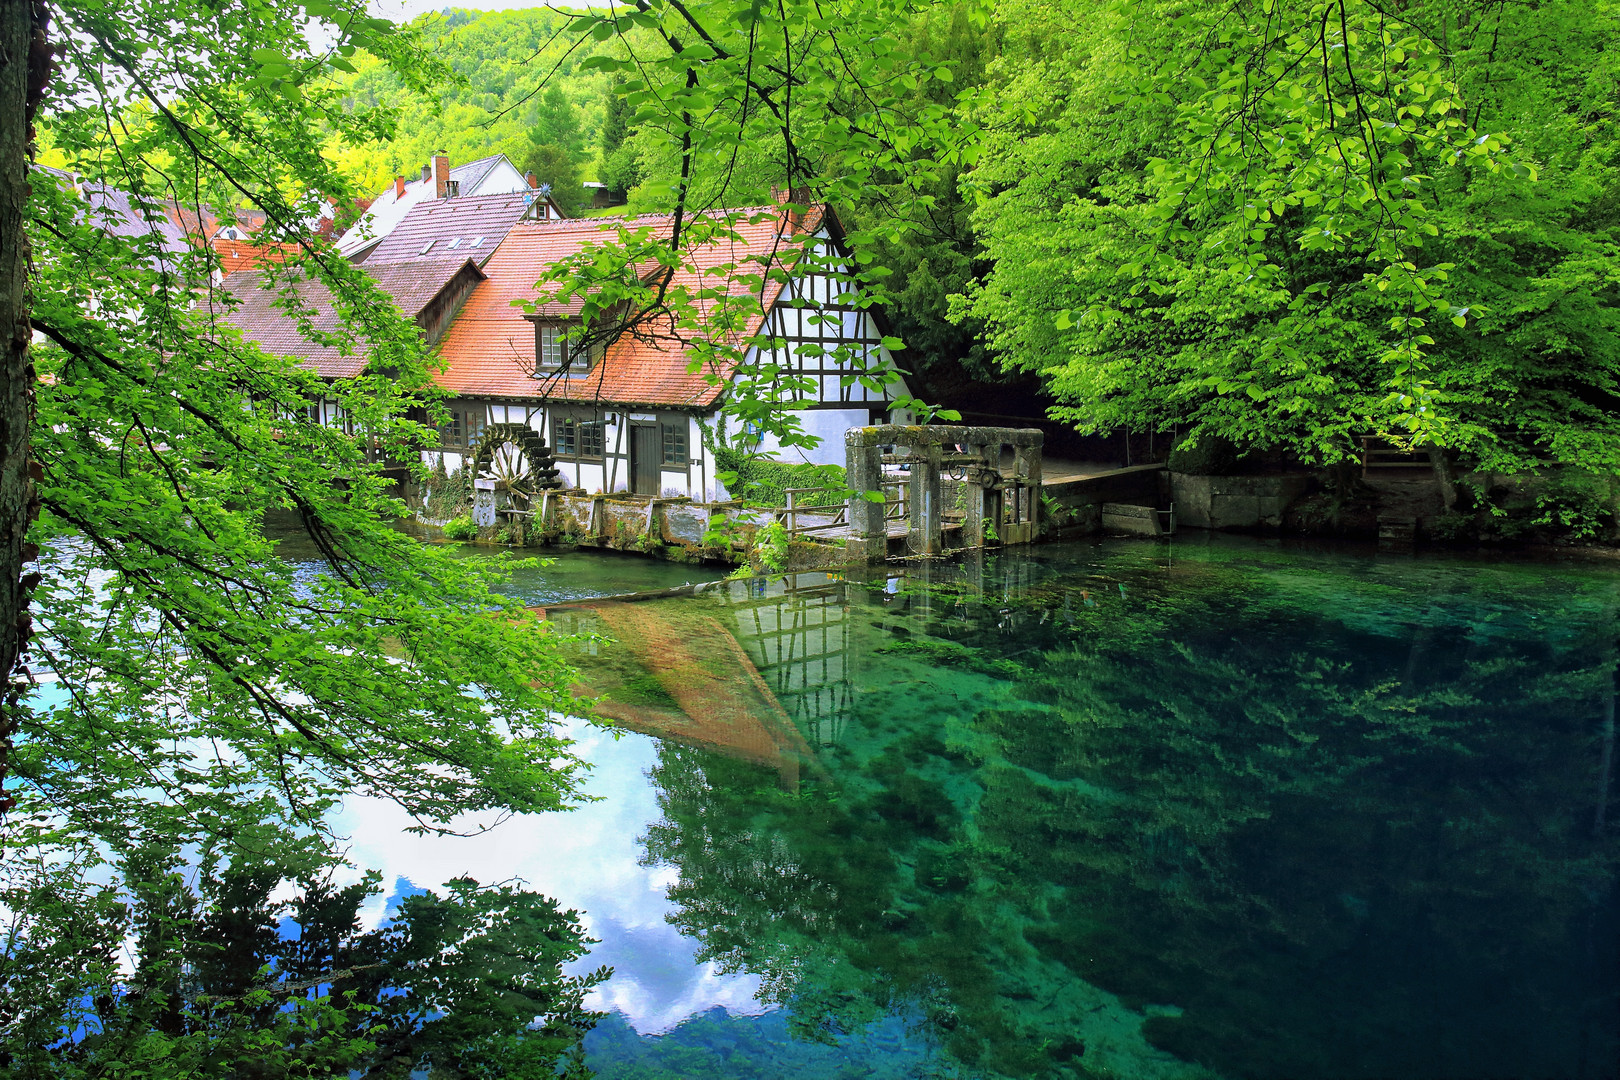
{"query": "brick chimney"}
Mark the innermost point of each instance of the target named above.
(798, 196)
(441, 175)
(534, 181)
(399, 187)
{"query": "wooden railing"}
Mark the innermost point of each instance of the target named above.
(896, 504)
(1379, 454)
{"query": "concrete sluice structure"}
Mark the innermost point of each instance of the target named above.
(919, 490)
(998, 504)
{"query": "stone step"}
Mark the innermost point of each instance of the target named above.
(1396, 528)
(1130, 520)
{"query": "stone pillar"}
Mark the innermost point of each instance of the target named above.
(927, 517)
(868, 539)
(1027, 464)
(484, 504)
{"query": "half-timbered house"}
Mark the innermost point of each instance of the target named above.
(429, 292)
(630, 413)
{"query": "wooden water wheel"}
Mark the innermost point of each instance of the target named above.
(517, 459)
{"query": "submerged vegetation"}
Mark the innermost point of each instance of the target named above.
(1248, 808)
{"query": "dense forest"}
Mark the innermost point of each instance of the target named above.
(1427, 251)
(493, 98)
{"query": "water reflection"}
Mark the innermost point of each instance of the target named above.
(590, 859)
(228, 978)
(1234, 810)
(1248, 810)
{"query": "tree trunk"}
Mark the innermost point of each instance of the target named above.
(1445, 476)
(24, 70)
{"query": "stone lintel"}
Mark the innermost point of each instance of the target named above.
(940, 434)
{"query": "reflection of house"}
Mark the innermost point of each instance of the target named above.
(676, 672)
(493, 175)
(628, 415)
(762, 670)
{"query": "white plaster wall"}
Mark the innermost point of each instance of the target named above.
(697, 481)
(828, 424)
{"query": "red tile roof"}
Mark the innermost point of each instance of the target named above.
(236, 255)
(412, 286)
(489, 349)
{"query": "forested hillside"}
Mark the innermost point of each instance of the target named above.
(504, 63)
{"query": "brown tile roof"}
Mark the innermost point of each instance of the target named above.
(489, 350)
(447, 221)
(412, 286)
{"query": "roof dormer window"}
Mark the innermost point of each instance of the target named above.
(549, 341)
(554, 351)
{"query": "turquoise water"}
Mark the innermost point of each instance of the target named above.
(1219, 808)
(1117, 809)
(551, 578)
(586, 574)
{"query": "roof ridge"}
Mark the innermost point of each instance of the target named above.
(462, 200)
(658, 215)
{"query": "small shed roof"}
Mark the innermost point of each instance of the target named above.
(412, 286)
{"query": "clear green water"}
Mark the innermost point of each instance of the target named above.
(1118, 809)
(586, 574)
(1214, 808)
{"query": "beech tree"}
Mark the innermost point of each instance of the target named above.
(1288, 224)
(184, 687)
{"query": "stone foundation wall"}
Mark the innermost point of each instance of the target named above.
(1234, 502)
(675, 528)
(1075, 507)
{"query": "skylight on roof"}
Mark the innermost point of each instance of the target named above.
(455, 243)
(426, 247)
(478, 241)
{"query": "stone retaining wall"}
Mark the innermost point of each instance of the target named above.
(1234, 502)
(1080, 501)
(671, 528)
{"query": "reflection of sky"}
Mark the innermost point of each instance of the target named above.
(588, 859)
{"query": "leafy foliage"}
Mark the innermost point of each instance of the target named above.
(206, 693)
(499, 68)
(1289, 224)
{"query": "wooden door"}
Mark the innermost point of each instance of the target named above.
(646, 451)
